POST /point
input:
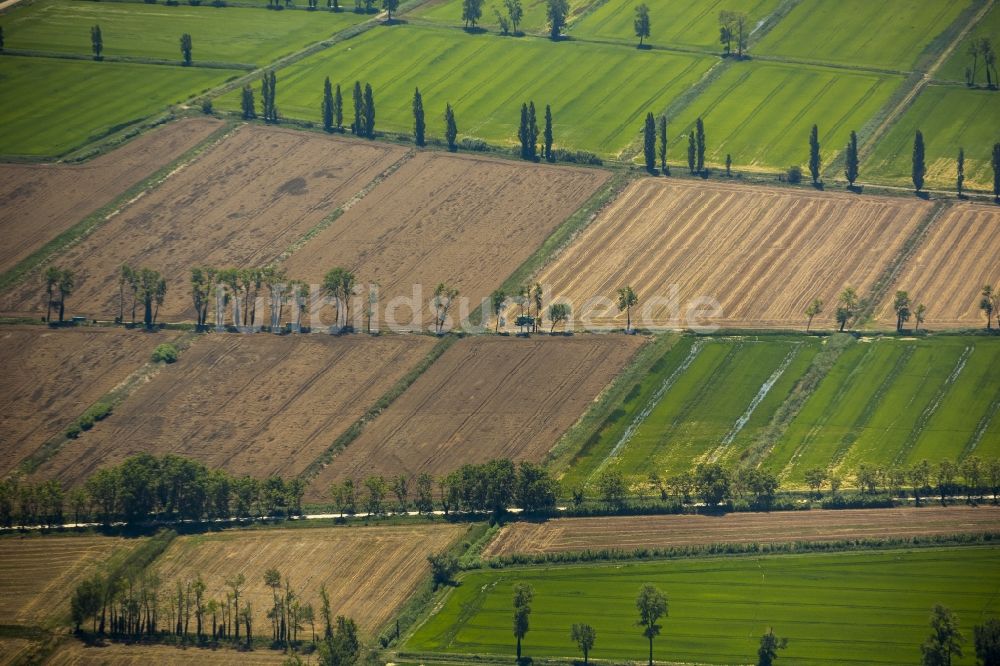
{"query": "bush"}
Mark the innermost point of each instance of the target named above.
(166, 352)
(794, 175)
(206, 107)
(218, 3)
(475, 145)
(73, 431)
(576, 157)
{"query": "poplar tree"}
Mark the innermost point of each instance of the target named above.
(960, 172)
(369, 112)
(548, 133)
(814, 160)
(919, 167)
(338, 109)
(450, 128)
(995, 163)
(327, 107)
(418, 118)
(522, 131)
(532, 132)
(357, 127)
(700, 139)
(186, 48)
(692, 151)
(851, 160)
(96, 41)
(649, 143)
(662, 126)
(247, 103)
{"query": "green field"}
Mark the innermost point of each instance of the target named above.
(949, 117)
(887, 34)
(954, 68)
(535, 20)
(230, 35)
(599, 93)
(761, 113)
(685, 23)
(862, 607)
(62, 104)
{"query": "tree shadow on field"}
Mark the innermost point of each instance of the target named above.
(476, 30)
(926, 196)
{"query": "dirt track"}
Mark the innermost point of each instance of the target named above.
(76, 653)
(251, 404)
(465, 221)
(52, 376)
(629, 533)
(484, 398)
(241, 204)
(948, 270)
(40, 201)
(763, 253)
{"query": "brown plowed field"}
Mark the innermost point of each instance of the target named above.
(465, 221)
(75, 653)
(622, 533)
(40, 201)
(38, 574)
(368, 571)
(484, 398)
(50, 377)
(957, 257)
(251, 404)
(762, 253)
(241, 204)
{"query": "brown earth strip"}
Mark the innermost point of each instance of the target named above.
(76, 653)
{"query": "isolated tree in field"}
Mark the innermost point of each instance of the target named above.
(661, 127)
(247, 103)
(515, 13)
(269, 90)
(767, 653)
(52, 275)
(945, 640)
(498, 301)
(901, 306)
(919, 166)
(986, 304)
(65, 285)
(186, 48)
(358, 126)
(919, 314)
(973, 52)
(444, 299)
(989, 60)
(729, 165)
(472, 11)
(814, 478)
(96, 41)
(557, 12)
(326, 108)
(692, 152)
(584, 636)
(652, 605)
(523, 595)
(641, 22)
(418, 118)
(369, 112)
(450, 128)
(851, 159)
(960, 173)
(547, 135)
(699, 136)
(627, 300)
(814, 158)
(558, 314)
(847, 306)
(390, 6)
(995, 163)
(649, 143)
(815, 309)
(986, 638)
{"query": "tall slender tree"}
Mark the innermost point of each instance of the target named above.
(450, 128)
(919, 166)
(641, 22)
(186, 48)
(523, 595)
(661, 124)
(814, 158)
(557, 11)
(692, 152)
(327, 106)
(995, 163)
(532, 132)
(851, 160)
(418, 118)
(247, 103)
(96, 42)
(369, 112)
(960, 173)
(699, 135)
(522, 131)
(652, 605)
(338, 109)
(358, 126)
(547, 135)
(649, 143)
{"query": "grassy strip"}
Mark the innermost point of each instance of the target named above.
(132, 60)
(29, 264)
(966, 19)
(380, 406)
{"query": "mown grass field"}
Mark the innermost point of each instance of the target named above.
(954, 68)
(863, 607)
(761, 113)
(950, 117)
(230, 35)
(62, 104)
(535, 20)
(887, 34)
(599, 93)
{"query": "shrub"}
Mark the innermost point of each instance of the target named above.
(794, 175)
(166, 352)
(475, 145)
(576, 157)
(206, 106)
(218, 3)
(73, 431)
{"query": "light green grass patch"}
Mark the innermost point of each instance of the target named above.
(954, 68)
(859, 33)
(535, 20)
(862, 607)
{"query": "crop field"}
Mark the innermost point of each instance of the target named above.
(484, 398)
(268, 404)
(240, 204)
(630, 533)
(368, 571)
(465, 221)
(948, 270)
(37, 575)
(229, 35)
(889, 34)
(37, 126)
(75, 653)
(12, 650)
(535, 20)
(38, 202)
(486, 79)
(950, 117)
(763, 254)
(954, 68)
(52, 376)
(862, 607)
(761, 113)
(687, 23)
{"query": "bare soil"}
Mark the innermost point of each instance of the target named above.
(76, 653)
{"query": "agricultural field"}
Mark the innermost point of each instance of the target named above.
(535, 20)
(484, 398)
(38, 574)
(75, 653)
(233, 35)
(486, 78)
(38, 202)
(861, 607)
(763, 254)
(36, 126)
(52, 376)
(368, 571)
(13, 650)
(462, 220)
(241, 204)
(950, 117)
(268, 404)
(954, 68)
(631, 533)
(890, 34)
(948, 270)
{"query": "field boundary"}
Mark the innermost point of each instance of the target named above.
(131, 60)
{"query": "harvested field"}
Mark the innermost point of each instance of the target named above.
(619, 533)
(53, 376)
(75, 653)
(948, 270)
(267, 404)
(40, 201)
(484, 398)
(465, 221)
(241, 204)
(368, 571)
(38, 574)
(12, 650)
(762, 253)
